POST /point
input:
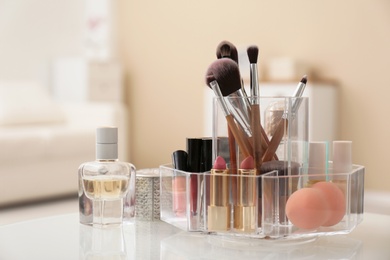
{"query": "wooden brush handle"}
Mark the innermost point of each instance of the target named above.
(232, 151)
(276, 139)
(265, 142)
(258, 149)
(242, 141)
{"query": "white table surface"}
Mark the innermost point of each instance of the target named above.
(62, 237)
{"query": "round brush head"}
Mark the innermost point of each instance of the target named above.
(253, 53)
(226, 49)
(226, 72)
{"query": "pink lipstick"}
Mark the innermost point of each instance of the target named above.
(245, 204)
(219, 210)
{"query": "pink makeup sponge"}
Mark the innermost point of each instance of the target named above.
(307, 208)
(335, 199)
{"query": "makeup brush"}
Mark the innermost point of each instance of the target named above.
(253, 53)
(283, 123)
(238, 135)
(227, 73)
(226, 49)
(258, 150)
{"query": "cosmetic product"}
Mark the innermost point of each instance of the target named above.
(307, 208)
(256, 127)
(322, 204)
(227, 74)
(105, 183)
(219, 210)
(283, 123)
(243, 143)
(147, 195)
(227, 50)
(207, 154)
(245, 212)
(194, 151)
(317, 162)
(335, 199)
(342, 156)
(180, 162)
(342, 163)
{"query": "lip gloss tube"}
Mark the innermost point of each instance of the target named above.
(245, 207)
(179, 159)
(219, 210)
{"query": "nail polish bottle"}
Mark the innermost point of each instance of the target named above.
(106, 185)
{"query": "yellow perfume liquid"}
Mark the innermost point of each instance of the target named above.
(105, 187)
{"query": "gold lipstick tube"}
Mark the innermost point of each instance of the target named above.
(219, 210)
(245, 206)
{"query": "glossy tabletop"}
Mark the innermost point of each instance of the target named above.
(62, 237)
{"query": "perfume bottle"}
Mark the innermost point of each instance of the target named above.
(106, 185)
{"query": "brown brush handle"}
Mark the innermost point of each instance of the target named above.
(276, 139)
(258, 149)
(233, 162)
(242, 141)
(265, 142)
(232, 152)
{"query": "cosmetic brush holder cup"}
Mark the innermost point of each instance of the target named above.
(181, 198)
(296, 207)
(275, 128)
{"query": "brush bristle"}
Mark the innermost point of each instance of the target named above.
(226, 72)
(226, 49)
(209, 78)
(253, 53)
(304, 79)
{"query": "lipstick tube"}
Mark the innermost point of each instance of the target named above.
(219, 210)
(245, 206)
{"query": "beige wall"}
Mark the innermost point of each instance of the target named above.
(166, 47)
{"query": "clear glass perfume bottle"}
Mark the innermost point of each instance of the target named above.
(106, 186)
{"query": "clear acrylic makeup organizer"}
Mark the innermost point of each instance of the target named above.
(273, 188)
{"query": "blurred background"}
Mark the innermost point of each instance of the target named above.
(69, 66)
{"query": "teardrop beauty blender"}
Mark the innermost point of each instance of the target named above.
(307, 208)
(335, 199)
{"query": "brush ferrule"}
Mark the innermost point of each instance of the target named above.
(255, 92)
(240, 110)
(296, 101)
(298, 94)
(217, 91)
